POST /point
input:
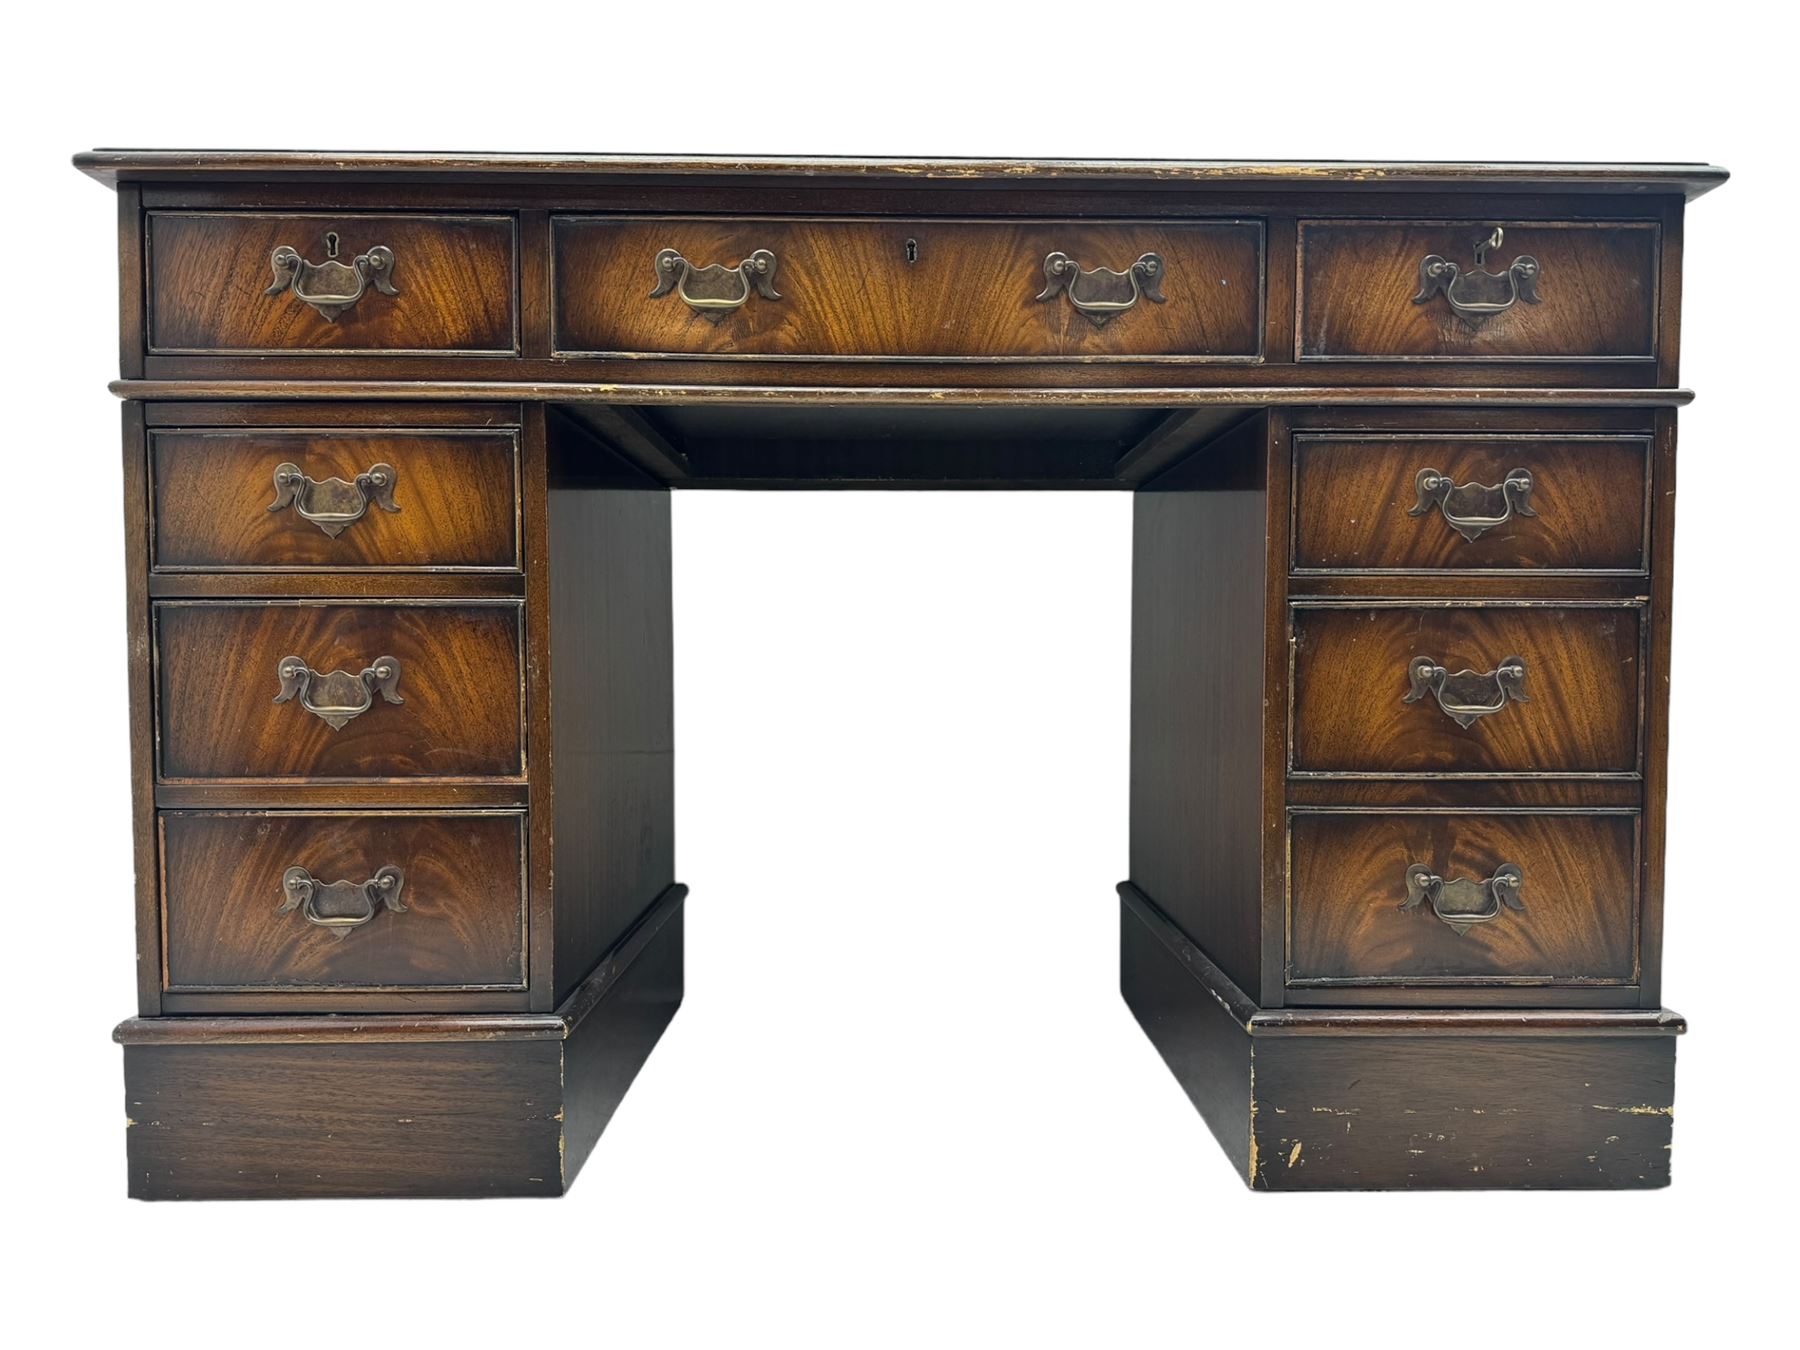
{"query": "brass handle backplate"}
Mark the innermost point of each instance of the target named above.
(331, 287)
(332, 504)
(339, 906)
(337, 697)
(709, 291)
(1463, 903)
(1472, 509)
(1466, 695)
(1103, 294)
(1478, 294)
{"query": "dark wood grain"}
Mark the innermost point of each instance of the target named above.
(1352, 496)
(260, 1121)
(1579, 925)
(1197, 704)
(1583, 677)
(1422, 1114)
(1597, 291)
(613, 720)
(209, 271)
(847, 289)
(457, 495)
(1389, 1099)
(460, 679)
(463, 925)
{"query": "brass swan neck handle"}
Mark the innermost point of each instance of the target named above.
(1467, 695)
(1462, 903)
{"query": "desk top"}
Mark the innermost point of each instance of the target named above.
(124, 165)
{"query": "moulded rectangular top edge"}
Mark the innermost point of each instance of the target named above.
(130, 166)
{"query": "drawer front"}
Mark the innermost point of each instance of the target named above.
(284, 690)
(919, 288)
(342, 499)
(1466, 690)
(271, 901)
(242, 281)
(1422, 898)
(1413, 290)
(1471, 503)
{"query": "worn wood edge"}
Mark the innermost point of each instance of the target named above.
(1261, 1022)
(113, 166)
(752, 395)
(421, 1028)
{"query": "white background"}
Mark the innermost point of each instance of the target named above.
(903, 1103)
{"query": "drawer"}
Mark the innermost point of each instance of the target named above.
(908, 288)
(1437, 290)
(1463, 690)
(272, 901)
(1386, 503)
(247, 281)
(316, 498)
(305, 690)
(1428, 897)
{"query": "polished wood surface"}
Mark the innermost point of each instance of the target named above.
(456, 492)
(1597, 291)
(1584, 671)
(911, 288)
(463, 925)
(460, 682)
(1353, 495)
(208, 273)
(1578, 925)
(536, 404)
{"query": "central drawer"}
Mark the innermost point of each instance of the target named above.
(1468, 689)
(940, 289)
(313, 690)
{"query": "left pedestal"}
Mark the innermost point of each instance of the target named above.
(407, 926)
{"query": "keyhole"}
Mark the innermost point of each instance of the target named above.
(331, 243)
(912, 250)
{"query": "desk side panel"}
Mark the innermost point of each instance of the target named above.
(611, 697)
(1200, 540)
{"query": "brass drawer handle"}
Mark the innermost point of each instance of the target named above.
(1105, 299)
(1460, 502)
(1467, 694)
(339, 696)
(755, 273)
(331, 287)
(339, 906)
(1463, 903)
(1480, 293)
(332, 504)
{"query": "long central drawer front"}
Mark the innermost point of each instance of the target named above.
(1067, 290)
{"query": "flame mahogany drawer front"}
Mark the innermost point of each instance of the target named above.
(251, 281)
(325, 498)
(271, 902)
(1463, 290)
(305, 689)
(1394, 503)
(1463, 898)
(1466, 689)
(909, 288)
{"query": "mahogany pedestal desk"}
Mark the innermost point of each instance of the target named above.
(399, 437)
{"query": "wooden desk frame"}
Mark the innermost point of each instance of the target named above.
(1440, 1073)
